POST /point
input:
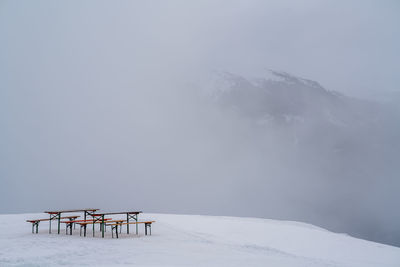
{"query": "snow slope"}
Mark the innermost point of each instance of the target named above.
(190, 240)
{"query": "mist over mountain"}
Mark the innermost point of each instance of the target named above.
(110, 105)
(337, 155)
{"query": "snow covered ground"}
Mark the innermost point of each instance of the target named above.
(189, 240)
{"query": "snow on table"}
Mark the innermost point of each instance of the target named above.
(190, 240)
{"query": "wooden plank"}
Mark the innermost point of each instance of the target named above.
(113, 213)
(86, 223)
(41, 220)
(115, 221)
(61, 211)
(98, 221)
(129, 223)
(79, 221)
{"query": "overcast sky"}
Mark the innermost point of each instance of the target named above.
(349, 46)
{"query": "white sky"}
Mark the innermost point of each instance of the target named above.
(348, 46)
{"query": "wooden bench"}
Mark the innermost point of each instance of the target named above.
(72, 222)
(36, 222)
(83, 224)
(114, 226)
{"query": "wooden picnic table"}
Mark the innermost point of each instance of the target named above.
(56, 215)
(129, 215)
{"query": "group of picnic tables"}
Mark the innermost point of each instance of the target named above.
(95, 218)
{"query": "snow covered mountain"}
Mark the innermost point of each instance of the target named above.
(190, 240)
(284, 97)
(338, 151)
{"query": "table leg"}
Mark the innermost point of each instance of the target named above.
(102, 228)
(136, 225)
(59, 219)
(127, 225)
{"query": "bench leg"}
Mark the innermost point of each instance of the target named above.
(66, 228)
(59, 218)
(70, 228)
(127, 225)
(35, 225)
(84, 230)
(115, 227)
(147, 225)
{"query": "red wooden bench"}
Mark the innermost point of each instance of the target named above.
(80, 222)
(37, 221)
(114, 226)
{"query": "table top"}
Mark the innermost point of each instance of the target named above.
(61, 211)
(122, 212)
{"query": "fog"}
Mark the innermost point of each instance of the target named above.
(153, 106)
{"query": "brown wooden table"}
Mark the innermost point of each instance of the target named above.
(129, 215)
(56, 215)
